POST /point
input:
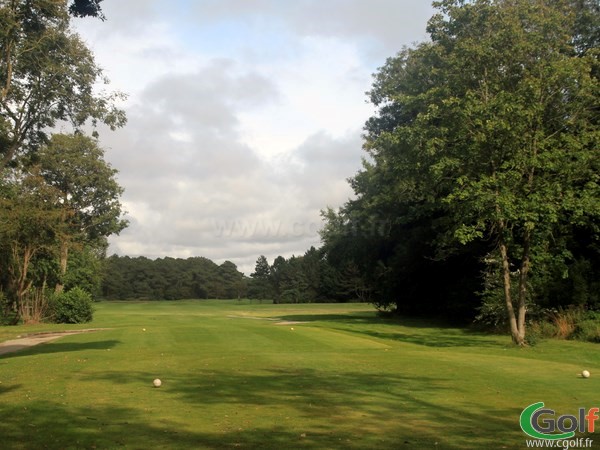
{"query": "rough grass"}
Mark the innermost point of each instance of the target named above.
(239, 375)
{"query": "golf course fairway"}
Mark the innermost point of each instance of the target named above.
(236, 374)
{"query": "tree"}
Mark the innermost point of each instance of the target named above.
(84, 269)
(29, 223)
(47, 75)
(232, 281)
(85, 8)
(293, 285)
(89, 195)
(490, 133)
(261, 284)
(276, 276)
(170, 278)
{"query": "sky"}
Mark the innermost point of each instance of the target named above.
(245, 117)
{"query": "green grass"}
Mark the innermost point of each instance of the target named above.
(233, 377)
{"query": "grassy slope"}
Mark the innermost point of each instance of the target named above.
(234, 379)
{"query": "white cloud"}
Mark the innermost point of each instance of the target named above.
(244, 116)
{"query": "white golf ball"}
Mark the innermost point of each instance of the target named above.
(585, 374)
(157, 383)
(143, 329)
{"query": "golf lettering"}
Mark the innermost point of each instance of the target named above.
(540, 423)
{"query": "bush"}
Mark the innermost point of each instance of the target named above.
(74, 306)
(566, 320)
(569, 323)
(542, 329)
(8, 314)
(588, 329)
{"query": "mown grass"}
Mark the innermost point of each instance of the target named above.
(240, 375)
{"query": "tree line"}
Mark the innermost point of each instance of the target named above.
(480, 190)
(299, 279)
(481, 181)
(59, 199)
(141, 278)
(308, 278)
(479, 193)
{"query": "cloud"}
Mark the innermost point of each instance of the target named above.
(194, 187)
(244, 116)
(382, 25)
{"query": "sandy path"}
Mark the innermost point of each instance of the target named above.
(14, 345)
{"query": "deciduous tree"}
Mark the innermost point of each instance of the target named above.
(488, 135)
(47, 75)
(89, 195)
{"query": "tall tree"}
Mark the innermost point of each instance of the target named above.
(261, 284)
(29, 224)
(47, 74)
(89, 195)
(488, 135)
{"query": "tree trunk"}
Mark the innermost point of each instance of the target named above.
(524, 276)
(515, 332)
(20, 274)
(64, 255)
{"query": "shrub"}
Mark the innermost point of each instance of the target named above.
(543, 329)
(565, 321)
(8, 314)
(572, 323)
(588, 329)
(74, 306)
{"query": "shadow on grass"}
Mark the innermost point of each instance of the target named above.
(5, 389)
(60, 347)
(357, 317)
(53, 426)
(439, 340)
(426, 332)
(331, 410)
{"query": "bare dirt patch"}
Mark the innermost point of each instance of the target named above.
(14, 345)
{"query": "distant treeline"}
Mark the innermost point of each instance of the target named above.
(128, 278)
(299, 279)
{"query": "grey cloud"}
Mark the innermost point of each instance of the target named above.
(124, 18)
(207, 99)
(194, 187)
(390, 24)
(262, 211)
(322, 164)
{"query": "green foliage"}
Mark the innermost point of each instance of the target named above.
(47, 75)
(86, 8)
(73, 306)
(68, 204)
(126, 278)
(485, 141)
(260, 286)
(58, 195)
(299, 279)
(29, 224)
(84, 270)
(588, 328)
(89, 195)
(567, 323)
(8, 314)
